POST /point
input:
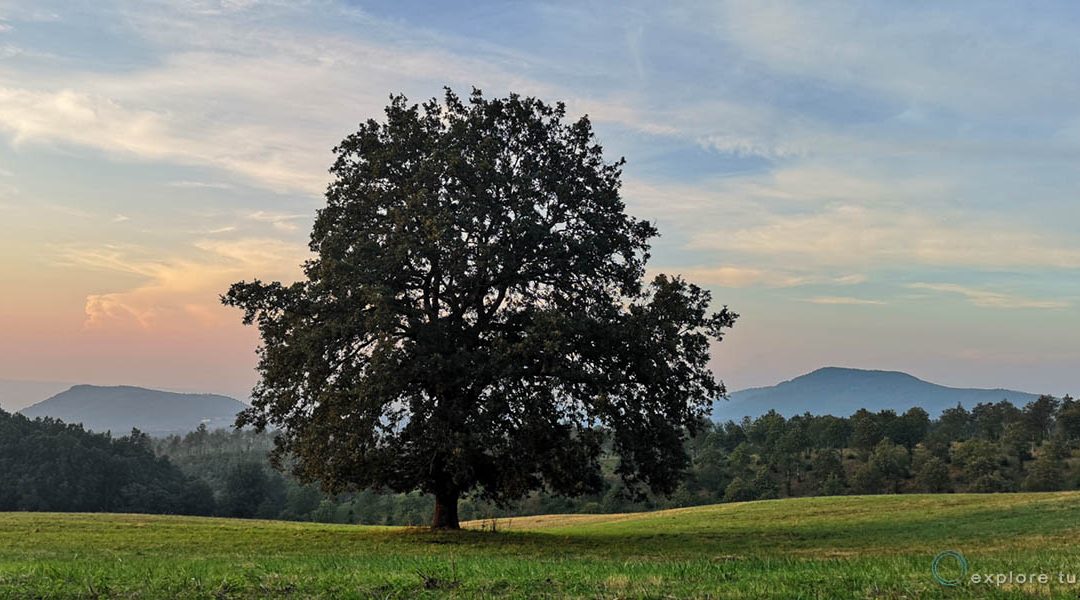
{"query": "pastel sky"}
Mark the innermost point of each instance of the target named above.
(883, 185)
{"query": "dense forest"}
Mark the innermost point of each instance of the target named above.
(994, 447)
(46, 465)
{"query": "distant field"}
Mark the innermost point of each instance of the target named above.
(846, 547)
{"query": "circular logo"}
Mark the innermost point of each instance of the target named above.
(946, 564)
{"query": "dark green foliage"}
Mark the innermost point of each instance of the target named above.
(1046, 473)
(891, 462)
(475, 319)
(931, 474)
(954, 424)
(834, 485)
(865, 430)
(828, 431)
(910, 428)
(726, 465)
(246, 488)
(827, 472)
(740, 490)
(46, 465)
(729, 462)
(990, 420)
(1039, 417)
(978, 458)
(980, 461)
(1017, 441)
(867, 480)
(1068, 419)
(708, 453)
(301, 501)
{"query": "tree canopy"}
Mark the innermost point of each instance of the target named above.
(476, 318)
(47, 465)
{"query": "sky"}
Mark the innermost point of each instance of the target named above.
(878, 185)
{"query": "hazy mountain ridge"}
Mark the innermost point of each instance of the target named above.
(17, 394)
(841, 391)
(829, 390)
(119, 408)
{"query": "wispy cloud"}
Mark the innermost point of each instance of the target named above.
(220, 230)
(842, 300)
(178, 292)
(320, 84)
(731, 276)
(989, 298)
(100, 121)
(13, 11)
(159, 112)
(788, 154)
(743, 276)
(280, 221)
(855, 235)
(211, 185)
(937, 57)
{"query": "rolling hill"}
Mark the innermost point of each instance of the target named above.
(878, 547)
(119, 408)
(840, 391)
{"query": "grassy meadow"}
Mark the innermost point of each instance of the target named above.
(840, 547)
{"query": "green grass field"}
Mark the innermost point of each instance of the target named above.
(845, 547)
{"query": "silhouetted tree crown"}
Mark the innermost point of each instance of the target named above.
(476, 317)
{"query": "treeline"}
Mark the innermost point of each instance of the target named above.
(46, 465)
(234, 464)
(995, 447)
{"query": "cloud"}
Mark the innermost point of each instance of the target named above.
(217, 7)
(213, 185)
(842, 300)
(266, 108)
(9, 51)
(220, 230)
(743, 277)
(99, 121)
(178, 293)
(119, 218)
(853, 279)
(931, 55)
(990, 299)
(280, 221)
(13, 11)
(792, 190)
(167, 111)
(850, 235)
(8, 191)
(744, 129)
(729, 276)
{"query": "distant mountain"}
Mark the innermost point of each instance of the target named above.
(838, 391)
(15, 394)
(120, 408)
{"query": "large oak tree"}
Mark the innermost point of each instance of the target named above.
(476, 318)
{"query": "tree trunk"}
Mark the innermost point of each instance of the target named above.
(446, 514)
